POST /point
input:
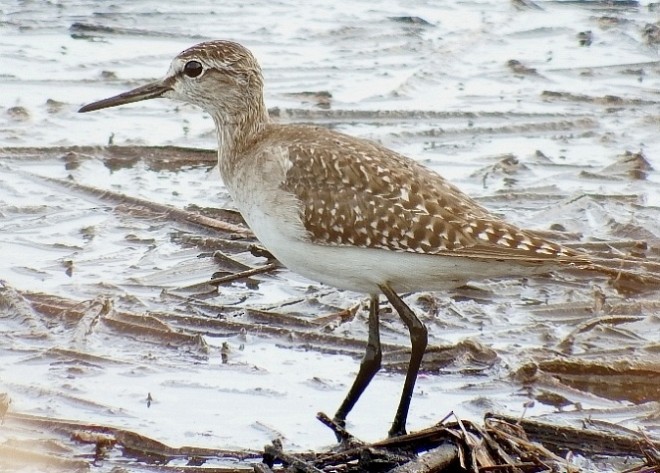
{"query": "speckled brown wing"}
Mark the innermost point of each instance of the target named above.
(355, 192)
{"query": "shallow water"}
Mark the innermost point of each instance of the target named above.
(544, 146)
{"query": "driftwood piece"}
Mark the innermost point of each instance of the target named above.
(502, 444)
(437, 459)
(509, 444)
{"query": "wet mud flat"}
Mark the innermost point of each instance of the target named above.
(574, 362)
(145, 329)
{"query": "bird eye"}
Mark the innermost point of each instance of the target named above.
(193, 68)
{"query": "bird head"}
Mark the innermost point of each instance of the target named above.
(221, 77)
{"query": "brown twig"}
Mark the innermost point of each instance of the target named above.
(244, 274)
(275, 451)
(340, 432)
(436, 460)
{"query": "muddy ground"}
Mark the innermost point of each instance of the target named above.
(117, 353)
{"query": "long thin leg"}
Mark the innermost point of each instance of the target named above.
(419, 340)
(369, 365)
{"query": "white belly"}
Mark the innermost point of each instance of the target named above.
(364, 269)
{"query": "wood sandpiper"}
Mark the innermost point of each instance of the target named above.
(346, 211)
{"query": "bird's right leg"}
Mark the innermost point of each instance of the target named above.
(368, 367)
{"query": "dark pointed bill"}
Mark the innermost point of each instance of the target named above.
(146, 92)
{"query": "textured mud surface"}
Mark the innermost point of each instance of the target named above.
(546, 112)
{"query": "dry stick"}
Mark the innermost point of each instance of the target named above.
(467, 440)
(651, 452)
(435, 460)
(275, 451)
(489, 452)
(339, 431)
(167, 210)
(432, 434)
(244, 274)
(516, 437)
(496, 447)
(356, 452)
(232, 277)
